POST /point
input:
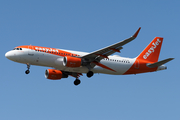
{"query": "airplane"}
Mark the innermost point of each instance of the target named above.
(65, 63)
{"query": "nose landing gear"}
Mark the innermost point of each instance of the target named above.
(28, 67)
(27, 71)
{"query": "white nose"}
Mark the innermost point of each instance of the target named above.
(9, 55)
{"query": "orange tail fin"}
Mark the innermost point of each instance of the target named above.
(152, 51)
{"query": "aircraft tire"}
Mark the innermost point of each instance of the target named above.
(77, 82)
(27, 71)
(90, 74)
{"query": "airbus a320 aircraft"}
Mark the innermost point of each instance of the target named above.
(73, 63)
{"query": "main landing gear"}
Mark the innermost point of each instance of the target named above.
(76, 75)
(90, 74)
(77, 82)
(28, 67)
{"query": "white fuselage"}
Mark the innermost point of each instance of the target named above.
(32, 57)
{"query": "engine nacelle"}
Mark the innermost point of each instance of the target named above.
(71, 61)
(53, 74)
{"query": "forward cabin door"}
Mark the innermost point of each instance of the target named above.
(30, 51)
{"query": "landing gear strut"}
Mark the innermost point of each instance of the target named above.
(28, 67)
(90, 74)
(77, 82)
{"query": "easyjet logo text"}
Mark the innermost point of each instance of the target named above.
(46, 49)
(152, 49)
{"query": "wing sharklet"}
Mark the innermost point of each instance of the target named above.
(137, 32)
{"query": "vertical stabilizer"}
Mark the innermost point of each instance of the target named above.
(152, 51)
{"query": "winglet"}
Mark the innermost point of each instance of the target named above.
(135, 35)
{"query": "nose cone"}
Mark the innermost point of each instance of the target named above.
(9, 55)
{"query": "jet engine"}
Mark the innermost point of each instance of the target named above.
(53, 74)
(72, 61)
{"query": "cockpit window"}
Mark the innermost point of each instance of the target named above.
(17, 49)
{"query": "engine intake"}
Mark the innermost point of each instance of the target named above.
(72, 61)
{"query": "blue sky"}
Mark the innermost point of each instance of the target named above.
(88, 26)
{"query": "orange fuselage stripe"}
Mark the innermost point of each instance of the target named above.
(53, 51)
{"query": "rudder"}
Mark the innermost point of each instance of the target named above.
(152, 51)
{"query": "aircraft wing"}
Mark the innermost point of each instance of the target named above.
(105, 52)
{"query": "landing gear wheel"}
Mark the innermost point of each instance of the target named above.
(90, 74)
(77, 82)
(28, 67)
(27, 71)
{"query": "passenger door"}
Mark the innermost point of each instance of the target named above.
(30, 51)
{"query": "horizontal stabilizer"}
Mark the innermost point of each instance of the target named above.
(156, 64)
